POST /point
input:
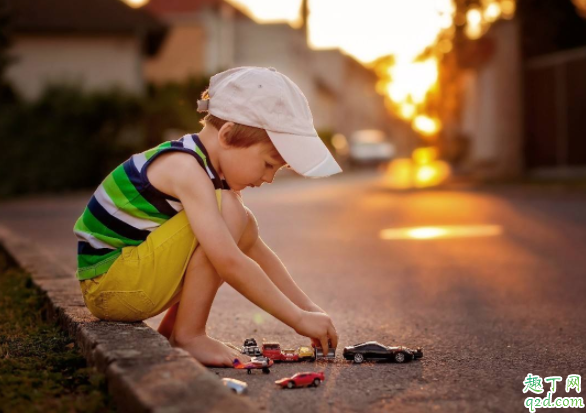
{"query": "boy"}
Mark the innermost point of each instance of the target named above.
(167, 227)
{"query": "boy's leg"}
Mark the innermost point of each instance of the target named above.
(168, 321)
(200, 286)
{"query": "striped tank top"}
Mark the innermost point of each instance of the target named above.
(126, 207)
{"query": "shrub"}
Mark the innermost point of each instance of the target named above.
(67, 139)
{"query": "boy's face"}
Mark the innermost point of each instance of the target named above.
(252, 166)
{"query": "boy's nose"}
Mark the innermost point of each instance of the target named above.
(269, 179)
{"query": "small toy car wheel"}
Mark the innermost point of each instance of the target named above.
(265, 370)
(249, 372)
(358, 358)
(316, 382)
(399, 357)
(290, 385)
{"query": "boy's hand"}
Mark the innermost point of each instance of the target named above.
(318, 327)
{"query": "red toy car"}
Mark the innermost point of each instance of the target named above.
(274, 352)
(302, 380)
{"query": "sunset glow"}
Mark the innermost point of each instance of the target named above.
(423, 233)
(422, 170)
(378, 29)
(136, 3)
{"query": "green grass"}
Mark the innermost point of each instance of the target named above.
(41, 370)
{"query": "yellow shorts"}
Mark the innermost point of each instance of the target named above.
(147, 279)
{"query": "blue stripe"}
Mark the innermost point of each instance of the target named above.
(202, 147)
(134, 175)
(218, 182)
(86, 249)
(114, 224)
(144, 188)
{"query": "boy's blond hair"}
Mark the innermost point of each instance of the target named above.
(241, 136)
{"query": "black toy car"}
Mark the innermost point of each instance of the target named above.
(371, 350)
(251, 348)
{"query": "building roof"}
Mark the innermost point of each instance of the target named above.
(87, 17)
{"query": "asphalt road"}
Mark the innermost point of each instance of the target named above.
(487, 310)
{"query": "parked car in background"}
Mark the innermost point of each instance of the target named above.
(369, 147)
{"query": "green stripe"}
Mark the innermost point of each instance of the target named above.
(103, 233)
(151, 152)
(81, 226)
(134, 197)
(96, 270)
(84, 260)
(123, 203)
(201, 155)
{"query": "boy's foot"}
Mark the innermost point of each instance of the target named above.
(211, 352)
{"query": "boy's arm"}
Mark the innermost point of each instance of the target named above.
(277, 272)
(218, 243)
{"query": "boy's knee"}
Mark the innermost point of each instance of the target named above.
(234, 214)
(250, 234)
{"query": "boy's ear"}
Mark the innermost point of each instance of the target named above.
(224, 133)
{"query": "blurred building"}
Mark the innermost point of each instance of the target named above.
(208, 36)
(492, 117)
(523, 108)
(94, 43)
(553, 39)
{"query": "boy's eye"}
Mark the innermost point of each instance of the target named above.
(268, 165)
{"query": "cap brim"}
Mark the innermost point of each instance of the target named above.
(306, 155)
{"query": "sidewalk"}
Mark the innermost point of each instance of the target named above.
(144, 373)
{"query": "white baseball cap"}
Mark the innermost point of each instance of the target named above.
(264, 98)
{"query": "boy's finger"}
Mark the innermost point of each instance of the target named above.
(324, 345)
(333, 337)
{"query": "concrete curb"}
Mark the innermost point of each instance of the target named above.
(144, 372)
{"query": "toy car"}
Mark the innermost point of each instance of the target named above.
(262, 363)
(306, 353)
(319, 352)
(302, 380)
(237, 386)
(273, 351)
(371, 350)
(250, 348)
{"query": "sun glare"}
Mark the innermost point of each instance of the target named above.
(423, 233)
(271, 11)
(136, 3)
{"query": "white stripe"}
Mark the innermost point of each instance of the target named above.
(188, 142)
(93, 241)
(139, 160)
(177, 206)
(107, 203)
(210, 174)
